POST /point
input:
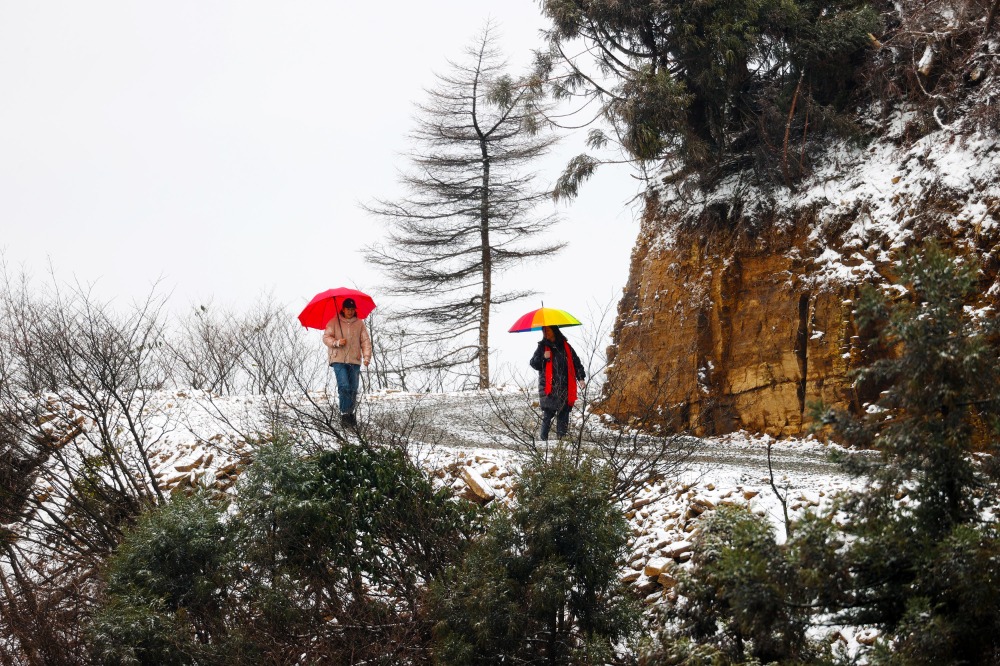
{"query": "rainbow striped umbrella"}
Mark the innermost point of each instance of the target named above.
(534, 320)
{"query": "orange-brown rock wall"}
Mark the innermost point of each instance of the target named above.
(712, 342)
(738, 309)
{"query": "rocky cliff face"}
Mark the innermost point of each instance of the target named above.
(728, 341)
(744, 320)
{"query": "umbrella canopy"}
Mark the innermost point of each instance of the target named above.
(325, 305)
(534, 320)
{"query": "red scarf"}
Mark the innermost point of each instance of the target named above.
(571, 376)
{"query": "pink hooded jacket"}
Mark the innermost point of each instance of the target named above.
(359, 344)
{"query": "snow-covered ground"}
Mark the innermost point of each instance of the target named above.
(194, 437)
(469, 441)
(200, 435)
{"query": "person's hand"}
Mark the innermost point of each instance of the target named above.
(367, 361)
(547, 354)
(342, 342)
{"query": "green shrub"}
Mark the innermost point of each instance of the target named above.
(741, 603)
(541, 586)
(326, 557)
(167, 587)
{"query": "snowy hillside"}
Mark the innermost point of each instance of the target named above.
(197, 439)
(869, 202)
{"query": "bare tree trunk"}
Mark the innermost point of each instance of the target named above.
(484, 317)
(788, 129)
(484, 244)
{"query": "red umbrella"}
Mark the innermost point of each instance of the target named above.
(325, 306)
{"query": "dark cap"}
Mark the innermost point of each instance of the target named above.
(349, 303)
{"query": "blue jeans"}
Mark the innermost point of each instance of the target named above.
(562, 422)
(348, 378)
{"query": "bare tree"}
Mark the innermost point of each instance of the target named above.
(271, 349)
(77, 421)
(204, 351)
(469, 209)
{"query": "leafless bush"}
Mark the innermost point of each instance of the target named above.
(265, 351)
(424, 361)
(75, 401)
(204, 351)
(391, 352)
(270, 349)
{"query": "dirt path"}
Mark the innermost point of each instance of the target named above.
(485, 420)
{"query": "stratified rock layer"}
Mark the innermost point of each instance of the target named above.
(745, 320)
(714, 343)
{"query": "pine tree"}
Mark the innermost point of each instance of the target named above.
(927, 570)
(469, 213)
(715, 86)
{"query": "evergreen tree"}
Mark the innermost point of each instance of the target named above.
(470, 209)
(168, 586)
(348, 539)
(927, 570)
(742, 603)
(919, 557)
(541, 587)
(716, 86)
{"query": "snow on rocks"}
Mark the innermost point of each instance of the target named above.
(478, 489)
(196, 442)
(867, 202)
(479, 477)
(665, 518)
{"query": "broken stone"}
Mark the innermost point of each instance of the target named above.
(482, 492)
(656, 566)
(648, 587)
(187, 467)
(666, 580)
(641, 502)
(677, 548)
(702, 502)
(867, 636)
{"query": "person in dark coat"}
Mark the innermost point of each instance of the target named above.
(559, 372)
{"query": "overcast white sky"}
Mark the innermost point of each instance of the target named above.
(223, 148)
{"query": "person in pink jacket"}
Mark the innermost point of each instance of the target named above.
(348, 346)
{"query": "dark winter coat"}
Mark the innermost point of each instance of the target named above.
(555, 400)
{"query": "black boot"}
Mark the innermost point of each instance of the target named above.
(349, 420)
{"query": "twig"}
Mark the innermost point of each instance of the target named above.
(781, 499)
(788, 128)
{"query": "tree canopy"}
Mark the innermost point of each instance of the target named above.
(713, 86)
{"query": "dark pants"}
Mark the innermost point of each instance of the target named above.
(562, 421)
(348, 379)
